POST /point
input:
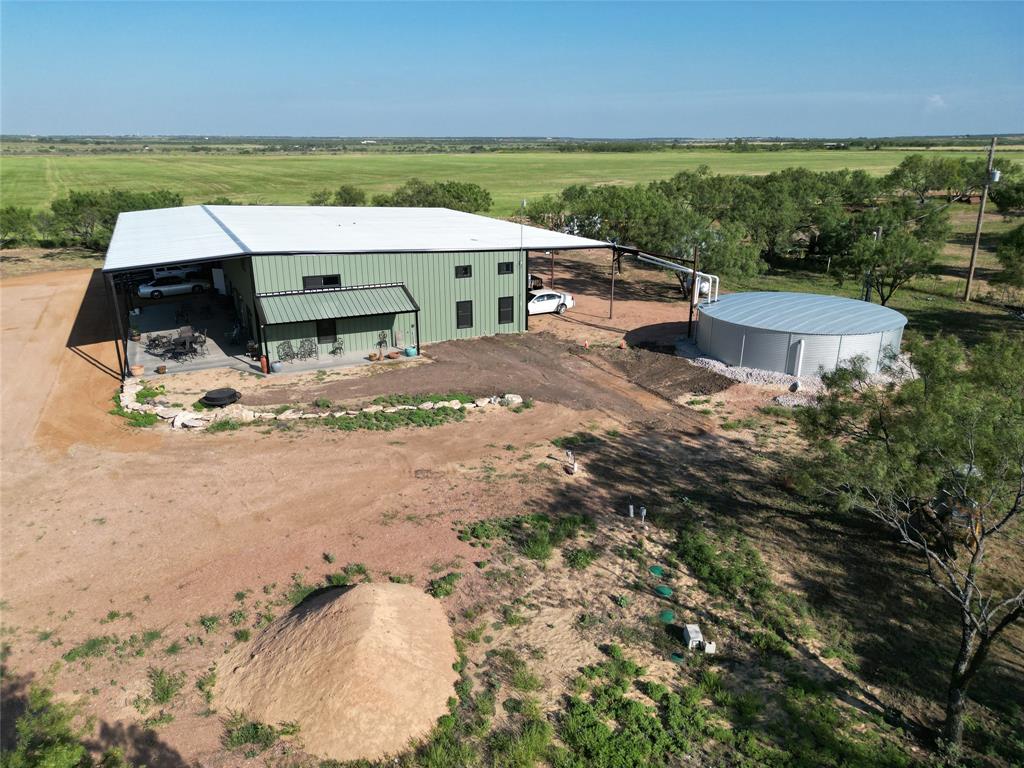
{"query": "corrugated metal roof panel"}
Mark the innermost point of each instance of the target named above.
(324, 305)
(804, 313)
(203, 232)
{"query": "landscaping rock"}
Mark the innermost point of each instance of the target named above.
(337, 414)
(310, 416)
(289, 415)
(167, 413)
(194, 423)
(406, 407)
(265, 415)
(179, 421)
(482, 402)
(512, 400)
(455, 404)
(427, 406)
(391, 409)
(246, 416)
(373, 409)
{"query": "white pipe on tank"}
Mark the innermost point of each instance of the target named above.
(798, 366)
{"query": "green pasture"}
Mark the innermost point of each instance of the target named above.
(35, 180)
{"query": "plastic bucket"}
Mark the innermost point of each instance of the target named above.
(276, 366)
(662, 591)
(656, 570)
(410, 351)
(667, 617)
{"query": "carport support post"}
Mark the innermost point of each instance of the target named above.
(694, 293)
(108, 282)
(120, 331)
(611, 296)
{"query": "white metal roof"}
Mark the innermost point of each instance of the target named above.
(203, 232)
(804, 313)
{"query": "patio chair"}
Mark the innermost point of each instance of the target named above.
(285, 352)
(199, 343)
(308, 350)
(338, 348)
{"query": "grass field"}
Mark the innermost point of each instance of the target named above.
(35, 180)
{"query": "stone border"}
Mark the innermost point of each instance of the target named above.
(185, 418)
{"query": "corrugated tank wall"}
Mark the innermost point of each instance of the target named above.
(778, 351)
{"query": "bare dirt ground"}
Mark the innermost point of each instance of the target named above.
(156, 529)
(110, 532)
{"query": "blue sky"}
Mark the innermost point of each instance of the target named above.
(524, 69)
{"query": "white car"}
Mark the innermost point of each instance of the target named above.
(171, 286)
(545, 300)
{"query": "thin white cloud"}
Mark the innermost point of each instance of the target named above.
(935, 102)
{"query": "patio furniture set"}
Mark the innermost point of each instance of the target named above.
(185, 344)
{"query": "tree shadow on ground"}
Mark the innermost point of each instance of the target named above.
(635, 281)
(141, 746)
(902, 634)
(13, 702)
(973, 325)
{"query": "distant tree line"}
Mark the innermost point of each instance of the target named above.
(885, 230)
(415, 193)
(79, 220)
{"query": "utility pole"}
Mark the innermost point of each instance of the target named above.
(981, 216)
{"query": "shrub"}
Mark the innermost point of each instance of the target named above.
(578, 559)
(210, 623)
(444, 586)
(94, 646)
(257, 737)
(164, 686)
(205, 683)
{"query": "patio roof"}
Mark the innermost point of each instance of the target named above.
(342, 302)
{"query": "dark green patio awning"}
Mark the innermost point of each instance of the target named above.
(325, 305)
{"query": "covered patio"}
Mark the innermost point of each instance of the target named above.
(194, 334)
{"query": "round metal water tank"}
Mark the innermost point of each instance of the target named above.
(797, 333)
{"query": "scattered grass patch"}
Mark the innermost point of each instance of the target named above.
(444, 586)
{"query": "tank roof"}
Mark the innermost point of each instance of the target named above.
(808, 313)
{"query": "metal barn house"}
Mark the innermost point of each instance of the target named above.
(271, 283)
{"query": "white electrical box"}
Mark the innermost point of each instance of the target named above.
(692, 637)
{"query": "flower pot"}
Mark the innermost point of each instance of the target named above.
(161, 369)
(394, 355)
(137, 370)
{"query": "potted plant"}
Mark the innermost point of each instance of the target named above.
(134, 334)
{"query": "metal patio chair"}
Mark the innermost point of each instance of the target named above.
(285, 352)
(308, 350)
(338, 348)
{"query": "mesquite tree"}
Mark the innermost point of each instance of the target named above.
(937, 457)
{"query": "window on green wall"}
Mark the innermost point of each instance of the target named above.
(506, 267)
(506, 310)
(326, 331)
(312, 282)
(463, 314)
(464, 270)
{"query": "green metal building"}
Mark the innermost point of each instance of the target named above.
(343, 279)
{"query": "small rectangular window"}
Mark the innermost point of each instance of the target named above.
(312, 282)
(506, 310)
(463, 314)
(464, 270)
(506, 267)
(326, 331)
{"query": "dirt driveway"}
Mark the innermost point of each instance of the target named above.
(156, 528)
